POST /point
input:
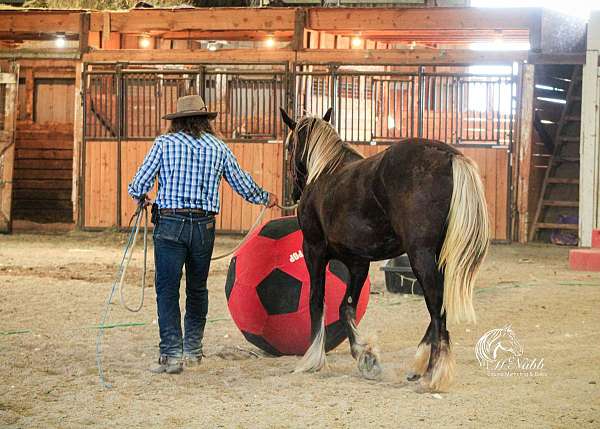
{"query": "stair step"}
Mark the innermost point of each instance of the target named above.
(563, 181)
(584, 259)
(569, 138)
(544, 225)
(566, 159)
(557, 203)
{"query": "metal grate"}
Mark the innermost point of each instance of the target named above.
(379, 106)
(130, 103)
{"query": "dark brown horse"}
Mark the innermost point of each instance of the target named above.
(419, 197)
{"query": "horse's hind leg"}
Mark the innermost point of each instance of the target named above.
(316, 262)
(440, 368)
(362, 350)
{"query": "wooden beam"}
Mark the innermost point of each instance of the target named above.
(207, 19)
(38, 21)
(224, 35)
(58, 54)
(299, 26)
(188, 56)
(105, 30)
(311, 56)
(410, 57)
(525, 147)
(365, 19)
(84, 33)
(77, 144)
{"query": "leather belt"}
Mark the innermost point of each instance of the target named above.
(198, 212)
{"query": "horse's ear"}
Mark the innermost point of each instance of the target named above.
(288, 121)
(327, 115)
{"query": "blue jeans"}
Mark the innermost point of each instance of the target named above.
(179, 240)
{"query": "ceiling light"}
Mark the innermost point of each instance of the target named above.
(60, 41)
(356, 42)
(145, 41)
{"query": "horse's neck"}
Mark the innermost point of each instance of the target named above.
(350, 156)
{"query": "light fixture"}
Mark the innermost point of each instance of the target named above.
(60, 41)
(212, 45)
(356, 42)
(270, 41)
(145, 41)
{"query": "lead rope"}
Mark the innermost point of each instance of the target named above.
(119, 281)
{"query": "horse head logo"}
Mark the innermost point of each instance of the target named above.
(490, 346)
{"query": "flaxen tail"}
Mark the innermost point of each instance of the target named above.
(467, 240)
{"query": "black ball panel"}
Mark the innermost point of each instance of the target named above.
(279, 293)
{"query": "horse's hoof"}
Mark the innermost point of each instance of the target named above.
(368, 365)
(413, 376)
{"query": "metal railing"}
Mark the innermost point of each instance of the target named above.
(379, 106)
(371, 105)
(128, 104)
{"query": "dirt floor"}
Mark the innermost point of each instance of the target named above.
(52, 293)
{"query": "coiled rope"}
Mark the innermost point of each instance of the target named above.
(119, 282)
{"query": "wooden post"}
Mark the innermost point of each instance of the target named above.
(29, 91)
(77, 144)
(84, 32)
(105, 30)
(299, 25)
(524, 149)
(589, 174)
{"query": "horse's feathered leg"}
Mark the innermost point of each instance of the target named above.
(422, 355)
(440, 368)
(316, 262)
(363, 350)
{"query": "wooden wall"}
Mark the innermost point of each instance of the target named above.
(54, 101)
(43, 173)
(262, 160)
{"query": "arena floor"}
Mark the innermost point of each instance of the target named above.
(53, 289)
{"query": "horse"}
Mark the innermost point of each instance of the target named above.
(495, 341)
(420, 197)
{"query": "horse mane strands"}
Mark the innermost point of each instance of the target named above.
(324, 150)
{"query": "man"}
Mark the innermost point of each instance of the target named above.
(189, 161)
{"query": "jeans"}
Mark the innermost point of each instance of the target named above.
(178, 240)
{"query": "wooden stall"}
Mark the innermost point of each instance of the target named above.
(389, 73)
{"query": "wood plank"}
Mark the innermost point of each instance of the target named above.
(40, 21)
(46, 164)
(44, 154)
(316, 56)
(64, 184)
(502, 205)
(24, 173)
(236, 201)
(366, 19)
(43, 144)
(45, 194)
(214, 19)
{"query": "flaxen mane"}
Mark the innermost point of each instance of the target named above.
(324, 150)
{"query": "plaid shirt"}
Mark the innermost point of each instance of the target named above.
(189, 172)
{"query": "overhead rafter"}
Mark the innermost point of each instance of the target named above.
(316, 56)
(205, 19)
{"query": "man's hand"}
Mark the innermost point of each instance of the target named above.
(143, 201)
(272, 200)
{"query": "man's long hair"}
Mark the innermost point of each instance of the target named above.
(193, 126)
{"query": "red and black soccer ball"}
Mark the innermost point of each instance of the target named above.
(268, 289)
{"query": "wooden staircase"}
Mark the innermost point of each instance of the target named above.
(559, 194)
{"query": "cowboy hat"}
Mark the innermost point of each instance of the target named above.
(191, 105)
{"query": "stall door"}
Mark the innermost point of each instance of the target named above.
(8, 106)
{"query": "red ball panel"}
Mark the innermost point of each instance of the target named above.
(289, 333)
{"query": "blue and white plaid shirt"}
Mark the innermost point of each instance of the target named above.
(189, 172)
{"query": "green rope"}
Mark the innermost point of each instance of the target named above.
(16, 332)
